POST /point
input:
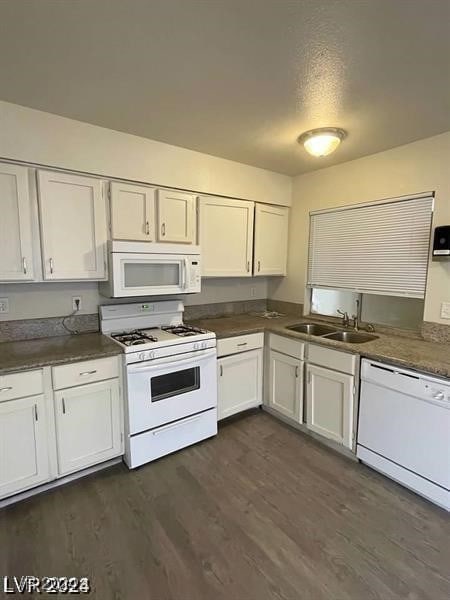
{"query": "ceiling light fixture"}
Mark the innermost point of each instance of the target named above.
(323, 141)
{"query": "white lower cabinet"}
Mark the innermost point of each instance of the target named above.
(24, 461)
(88, 425)
(286, 385)
(48, 433)
(240, 379)
(330, 402)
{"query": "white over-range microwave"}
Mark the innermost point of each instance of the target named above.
(149, 269)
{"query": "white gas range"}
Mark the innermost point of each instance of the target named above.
(170, 376)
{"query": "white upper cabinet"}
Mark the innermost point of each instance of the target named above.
(132, 212)
(16, 240)
(226, 237)
(176, 217)
(73, 226)
(271, 236)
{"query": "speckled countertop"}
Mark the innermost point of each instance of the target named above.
(31, 354)
(414, 353)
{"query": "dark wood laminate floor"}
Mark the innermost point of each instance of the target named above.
(259, 512)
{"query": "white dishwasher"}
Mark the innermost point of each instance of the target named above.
(404, 428)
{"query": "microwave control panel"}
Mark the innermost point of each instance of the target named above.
(195, 275)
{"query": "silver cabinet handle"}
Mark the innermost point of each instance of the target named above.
(221, 370)
(24, 265)
(259, 266)
(296, 371)
(242, 344)
(248, 266)
(63, 406)
(163, 229)
(50, 262)
(147, 228)
(35, 413)
(6, 389)
(85, 373)
(439, 396)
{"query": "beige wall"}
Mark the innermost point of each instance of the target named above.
(39, 137)
(38, 300)
(417, 167)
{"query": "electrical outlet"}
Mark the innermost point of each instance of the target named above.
(4, 306)
(445, 310)
(252, 292)
(76, 303)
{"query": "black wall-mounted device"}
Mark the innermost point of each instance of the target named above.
(441, 245)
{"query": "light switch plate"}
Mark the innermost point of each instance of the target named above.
(4, 306)
(445, 310)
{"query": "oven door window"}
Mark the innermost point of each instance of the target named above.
(175, 383)
(144, 274)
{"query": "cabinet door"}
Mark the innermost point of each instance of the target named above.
(88, 425)
(330, 396)
(271, 236)
(226, 237)
(132, 212)
(24, 459)
(176, 217)
(240, 382)
(73, 226)
(16, 242)
(286, 385)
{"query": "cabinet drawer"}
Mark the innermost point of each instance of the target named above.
(240, 343)
(20, 385)
(87, 371)
(333, 359)
(163, 440)
(287, 346)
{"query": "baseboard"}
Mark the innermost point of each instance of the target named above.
(58, 482)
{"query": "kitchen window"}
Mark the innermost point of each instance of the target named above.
(378, 248)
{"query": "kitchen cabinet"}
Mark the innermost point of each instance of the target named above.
(16, 238)
(24, 461)
(226, 236)
(286, 385)
(132, 209)
(88, 425)
(72, 212)
(240, 373)
(329, 403)
(284, 376)
(176, 217)
(271, 238)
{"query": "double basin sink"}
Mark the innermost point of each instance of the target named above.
(330, 333)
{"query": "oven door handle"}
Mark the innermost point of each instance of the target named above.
(171, 361)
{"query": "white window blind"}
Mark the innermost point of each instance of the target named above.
(376, 249)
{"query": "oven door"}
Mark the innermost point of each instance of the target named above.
(167, 389)
(148, 274)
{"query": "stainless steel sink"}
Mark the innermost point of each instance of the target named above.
(312, 328)
(351, 337)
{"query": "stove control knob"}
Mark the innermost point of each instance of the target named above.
(142, 356)
(195, 346)
(151, 355)
(203, 345)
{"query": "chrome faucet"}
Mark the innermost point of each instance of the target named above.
(345, 317)
(357, 319)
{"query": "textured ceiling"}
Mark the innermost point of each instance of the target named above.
(235, 78)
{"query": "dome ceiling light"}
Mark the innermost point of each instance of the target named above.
(323, 141)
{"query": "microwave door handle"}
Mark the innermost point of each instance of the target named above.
(184, 273)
